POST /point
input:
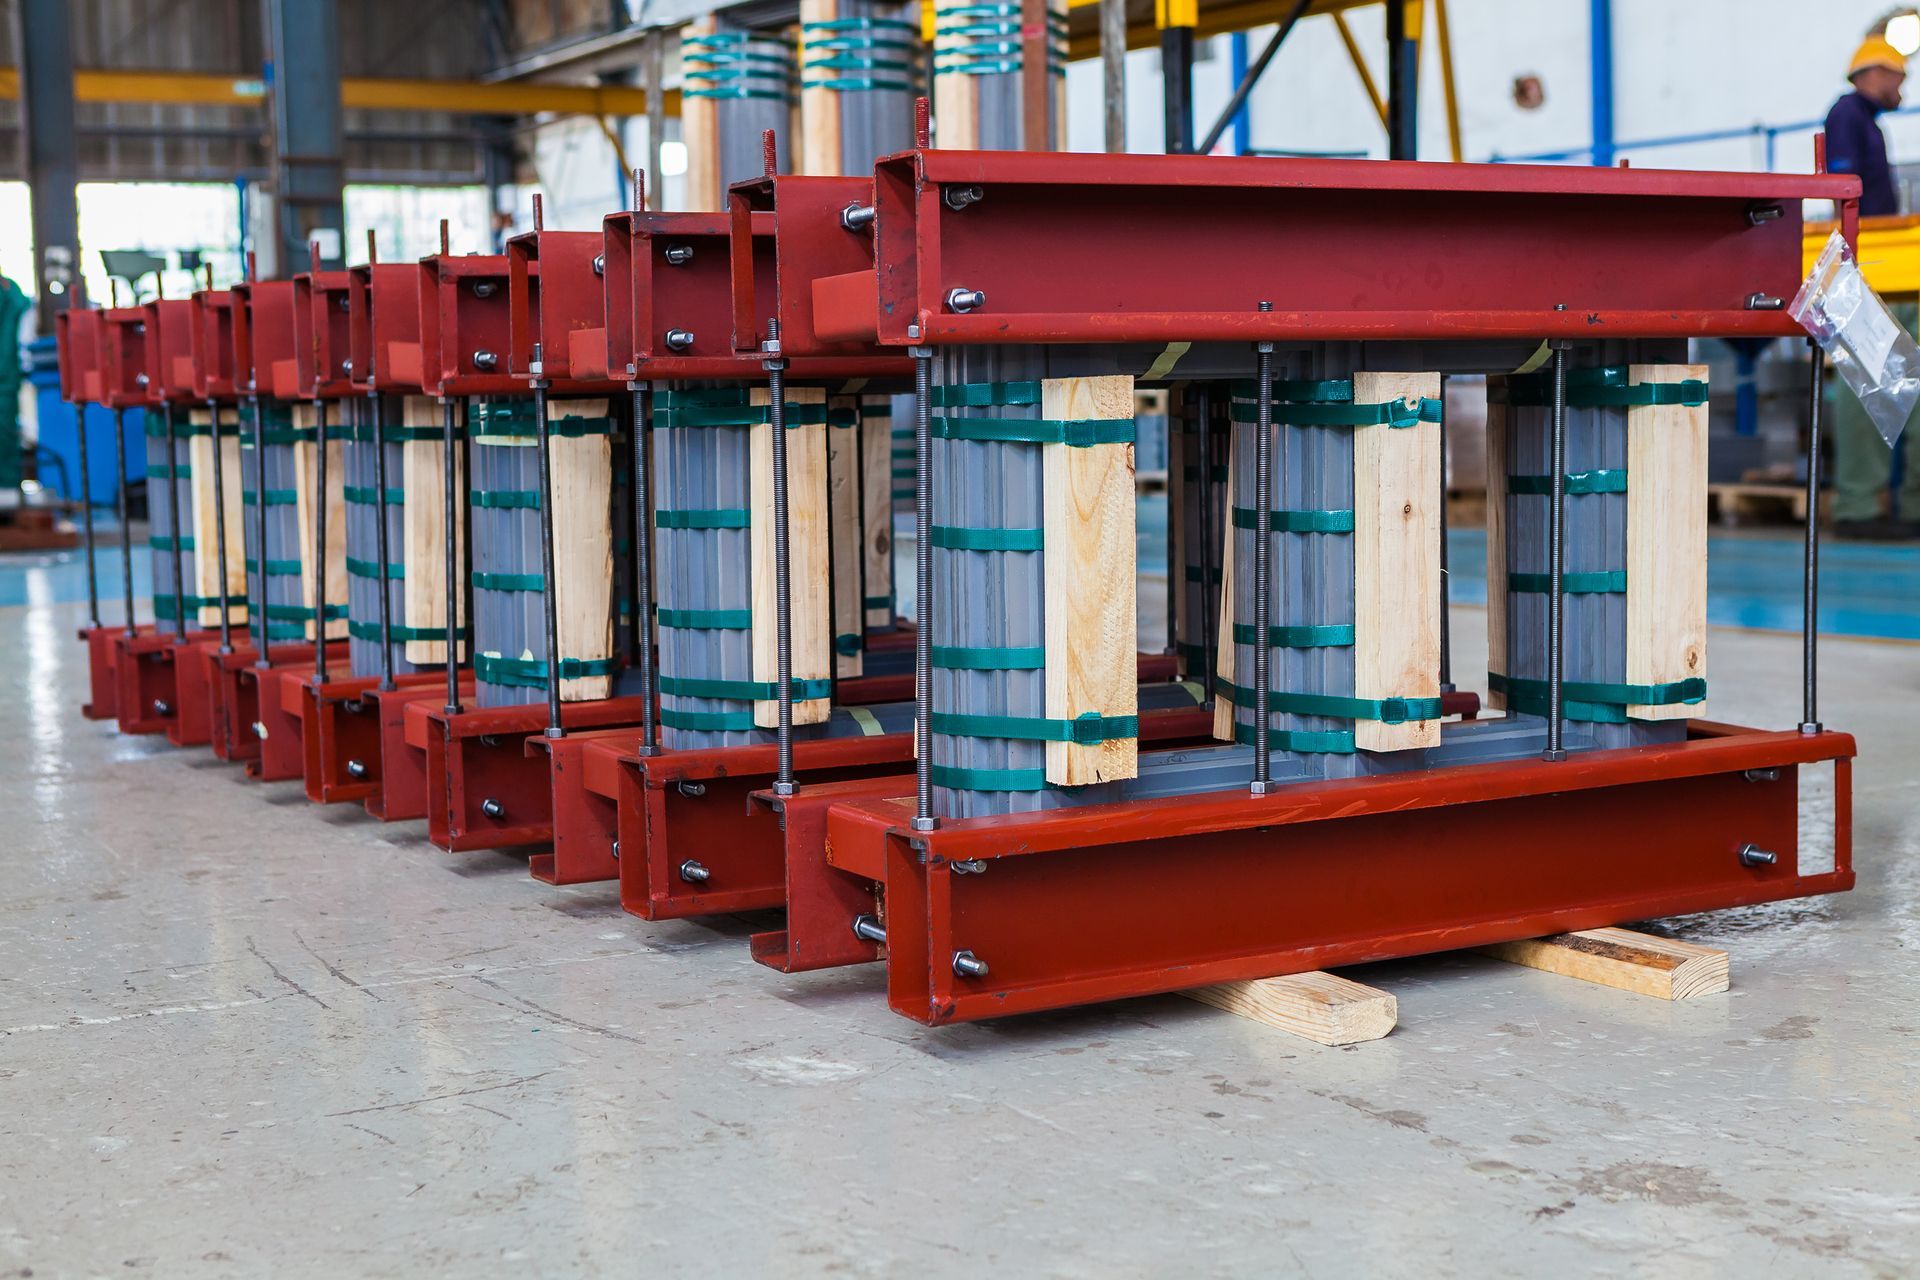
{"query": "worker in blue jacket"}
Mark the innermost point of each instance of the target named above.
(1862, 460)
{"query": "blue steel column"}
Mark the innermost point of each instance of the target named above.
(303, 64)
(1600, 27)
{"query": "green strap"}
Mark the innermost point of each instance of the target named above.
(1576, 483)
(531, 673)
(275, 497)
(515, 421)
(275, 568)
(506, 499)
(849, 643)
(163, 542)
(954, 537)
(984, 658)
(707, 721)
(1607, 387)
(981, 395)
(171, 605)
(726, 407)
(161, 471)
(704, 518)
(368, 496)
(510, 581)
(707, 619)
(1608, 582)
(876, 602)
(743, 690)
(1078, 435)
(1596, 702)
(1337, 707)
(371, 631)
(1392, 413)
(955, 778)
(1088, 730)
(371, 569)
(1296, 521)
(1329, 636)
(1310, 742)
(869, 723)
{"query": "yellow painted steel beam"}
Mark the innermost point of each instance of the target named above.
(1889, 252)
(1215, 17)
(452, 96)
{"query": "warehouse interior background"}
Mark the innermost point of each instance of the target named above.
(240, 1040)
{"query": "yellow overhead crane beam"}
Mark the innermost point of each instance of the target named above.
(456, 97)
(1889, 252)
(1214, 17)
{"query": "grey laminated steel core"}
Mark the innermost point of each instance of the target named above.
(163, 522)
(278, 564)
(363, 550)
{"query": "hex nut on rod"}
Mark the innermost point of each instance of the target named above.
(493, 809)
(1752, 855)
(679, 339)
(694, 872)
(867, 929)
(965, 300)
(968, 965)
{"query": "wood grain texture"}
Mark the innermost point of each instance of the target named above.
(1322, 1007)
(1396, 561)
(843, 533)
(1660, 967)
(208, 580)
(956, 98)
(1499, 463)
(1666, 541)
(1089, 571)
(582, 488)
(819, 107)
(808, 559)
(423, 531)
(876, 506)
(700, 131)
(305, 466)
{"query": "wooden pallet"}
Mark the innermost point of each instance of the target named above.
(1760, 502)
(1332, 1010)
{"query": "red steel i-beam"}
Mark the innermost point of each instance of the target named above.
(77, 342)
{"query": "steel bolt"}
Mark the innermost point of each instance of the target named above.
(679, 339)
(692, 788)
(493, 809)
(484, 288)
(678, 255)
(965, 300)
(694, 872)
(346, 368)
(259, 729)
(485, 361)
(968, 965)
(600, 264)
(616, 851)
(867, 929)
(161, 707)
(356, 768)
(1761, 775)
(969, 866)
(958, 198)
(1752, 855)
(857, 217)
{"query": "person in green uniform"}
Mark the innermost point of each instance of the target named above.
(14, 306)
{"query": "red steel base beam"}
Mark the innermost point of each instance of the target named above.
(192, 723)
(236, 702)
(399, 773)
(1082, 905)
(103, 677)
(147, 698)
(341, 746)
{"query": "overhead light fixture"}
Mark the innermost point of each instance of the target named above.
(1903, 32)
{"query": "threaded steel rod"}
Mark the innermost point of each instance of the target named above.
(320, 541)
(550, 597)
(219, 528)
(179, 530)
(450, 514)
(923, 819)
(1262, 559)
(1810, 571)
(377, 404)
(86, 514)
(782, 563)
(643, 573)
(263, 656)
(121, 506)
(1557, 560)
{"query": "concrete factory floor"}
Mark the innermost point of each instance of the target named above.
(241, 1035)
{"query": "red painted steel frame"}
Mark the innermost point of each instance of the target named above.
(236, 702)
(77, 344)
(193, 711)
(322, 329)
(341, 739)
(383, 327)
(463, 314)
(555, 302)
(103, 672)
(401, 790)
(146, 670)
(1105, 248)
(1082, 905)
(212, 343)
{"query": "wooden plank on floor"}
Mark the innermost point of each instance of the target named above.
(207, 578)
(1089, 575)
(808, 558)
(1396, 561)
(423, 529)
(582, 488)
(1666, 541)
(305, 464)
(1499, 463)
(844, 543)
(1322, 1007)
(876, 506)
(1661, 967)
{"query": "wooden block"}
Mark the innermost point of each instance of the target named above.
(1499, 463)
(305, 469)
(808, 559)
(208, 580)
(843, 535)
(819, 107)
(582, 488)
(1090, 565)
(423, 530)
(956, 98)
(700, 129)
(1396, 561)
(1636, 962)
(876, 506)
(1322, 1007)
(1666, 541)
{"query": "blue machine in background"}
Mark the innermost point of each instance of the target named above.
(60, 438)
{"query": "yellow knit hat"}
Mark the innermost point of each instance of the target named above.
(1875, 51)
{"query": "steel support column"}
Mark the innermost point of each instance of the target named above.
(1176, 19)
(303, 60)
(1403, 84)
(44, 41)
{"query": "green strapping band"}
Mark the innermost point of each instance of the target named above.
(876, 602)
(1307, 742)
(1296, 521)
(704, 518)
(1607, 582)
(171, 605)
(1607, 387)
(1576, 483)
(743, 690)
(161, 471)
(275, 568)
(954, 537)
(982, 395)
(954, 778)
(1088, 730)
(1328, 636)
(396, 572)
(848, 643)
(726, 407)
(868, 722)
(986, 658)
(1337, 707)
(371, 631)
(531, 673)
(707, 619)
(510, 581)
(1078, 435)
(1392, 413)
(368, 496)
(516, 421)
(707, 721)
(275, 497)
(1594, 702)
(505, 499)
(163, 542)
